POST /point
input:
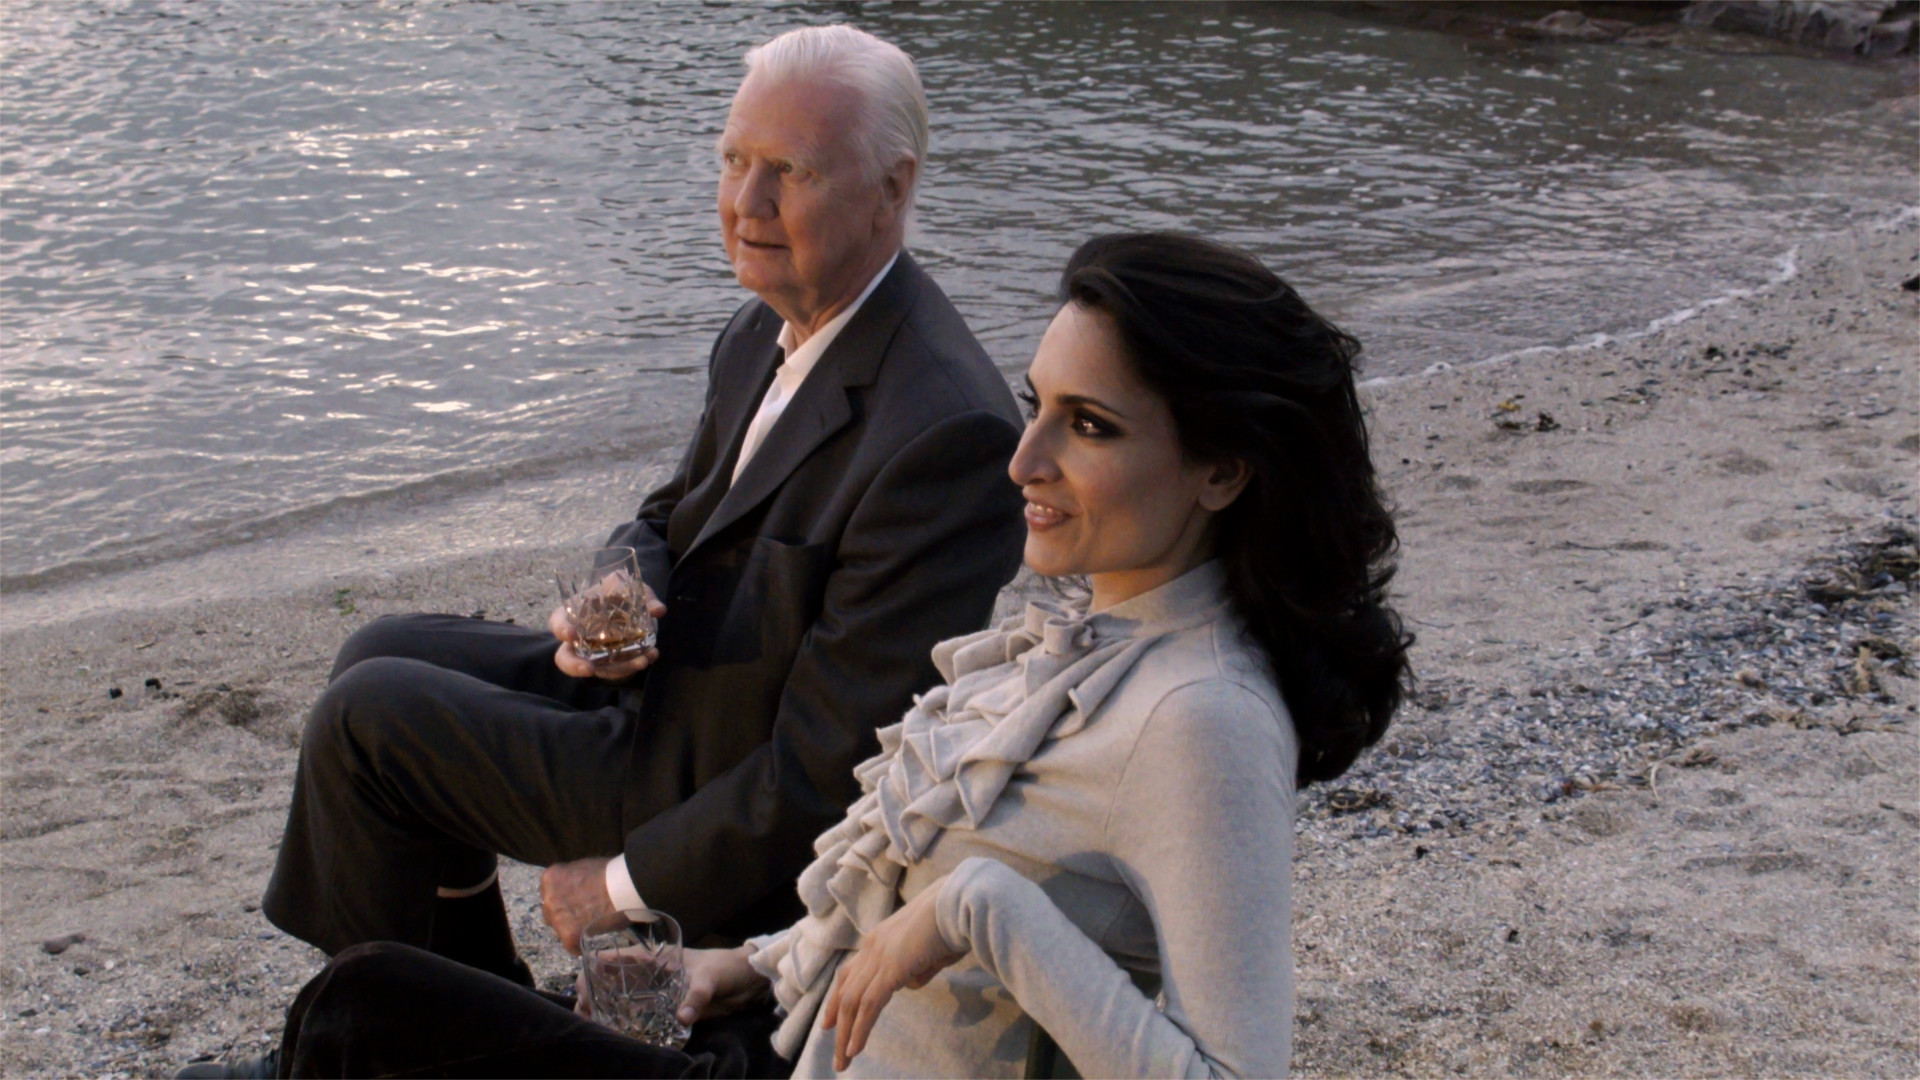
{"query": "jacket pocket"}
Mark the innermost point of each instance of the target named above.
(758, 610)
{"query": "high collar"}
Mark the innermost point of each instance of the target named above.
(1195, 597)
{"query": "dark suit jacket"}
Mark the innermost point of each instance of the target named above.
(876, 519)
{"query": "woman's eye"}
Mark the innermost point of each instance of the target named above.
(1029, 404)
(1091, 426)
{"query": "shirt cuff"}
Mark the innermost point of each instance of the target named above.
(626, 898)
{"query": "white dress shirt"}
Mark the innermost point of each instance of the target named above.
(786, 383)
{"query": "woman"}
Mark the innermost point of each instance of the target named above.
(1099, 787)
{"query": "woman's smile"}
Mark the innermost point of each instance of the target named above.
(1041, 517)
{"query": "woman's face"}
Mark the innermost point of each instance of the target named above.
(1109, 493)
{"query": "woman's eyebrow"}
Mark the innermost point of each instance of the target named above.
(1076, 399)
(1082, 399)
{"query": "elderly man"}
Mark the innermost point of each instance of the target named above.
(842, 506)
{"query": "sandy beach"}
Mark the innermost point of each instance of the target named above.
(1651, 811)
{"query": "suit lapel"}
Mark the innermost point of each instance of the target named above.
(733, 411)
(819, 408)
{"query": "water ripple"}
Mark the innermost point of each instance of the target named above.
(260, 260)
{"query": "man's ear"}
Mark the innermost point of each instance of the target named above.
(896, 187)
(1224, 483)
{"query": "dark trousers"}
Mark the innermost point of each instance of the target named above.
(391, 1010)
(440, 743)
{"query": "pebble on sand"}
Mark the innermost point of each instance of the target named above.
(54, 946)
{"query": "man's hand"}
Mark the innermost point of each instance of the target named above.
(572, 663)
(906, 949)
(573, 897)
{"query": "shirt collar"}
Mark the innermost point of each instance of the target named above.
(1195, 597)
(800, 360)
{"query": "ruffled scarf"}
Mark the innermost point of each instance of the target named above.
(1007, 691)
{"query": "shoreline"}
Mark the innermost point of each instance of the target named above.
(49, 593)
(1594, 541)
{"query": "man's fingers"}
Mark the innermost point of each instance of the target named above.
(620, 669)
(654, 607)
(571, 663)
(548, 909)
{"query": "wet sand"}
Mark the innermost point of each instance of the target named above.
(1598, 541)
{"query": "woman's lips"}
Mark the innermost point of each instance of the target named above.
(1041, 517)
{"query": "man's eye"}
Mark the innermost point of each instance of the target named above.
(786, 168)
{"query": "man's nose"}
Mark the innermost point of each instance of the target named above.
(755, 197)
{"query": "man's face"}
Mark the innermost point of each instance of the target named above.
(804, 227)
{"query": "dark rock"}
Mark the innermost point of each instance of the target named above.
(1573, 26)
(153, 683)
(1861, 27)
(54, 946)
(1354, 800)
(1545, 487)
(114, 692)
(237, 708)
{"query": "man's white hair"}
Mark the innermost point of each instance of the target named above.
(893, 106)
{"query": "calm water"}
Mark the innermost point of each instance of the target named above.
(261, 261)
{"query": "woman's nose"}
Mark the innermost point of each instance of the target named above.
(1033, 461)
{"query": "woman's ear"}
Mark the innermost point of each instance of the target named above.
(1224, 483)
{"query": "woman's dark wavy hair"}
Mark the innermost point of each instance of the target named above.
(1251, 372)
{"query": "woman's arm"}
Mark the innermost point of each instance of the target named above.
(1202, 829)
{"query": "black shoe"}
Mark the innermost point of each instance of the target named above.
(264, 1067)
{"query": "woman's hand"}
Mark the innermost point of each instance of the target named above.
(906, 949)
(720, 982)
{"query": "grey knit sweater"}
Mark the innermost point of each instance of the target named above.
(1157, 836)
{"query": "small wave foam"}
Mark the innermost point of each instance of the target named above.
(122, 555)
(1786, 268)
